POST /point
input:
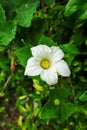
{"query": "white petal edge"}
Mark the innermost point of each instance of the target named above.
(62, 68)
(32, 68)
(41, 51)
(56, 54)
(49, 76)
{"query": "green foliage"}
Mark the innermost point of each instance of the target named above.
(50, 2)
(24, 13)
(7, 29)
(51, 109)
(3, 62)
(72, 6)
(83, 97)
(45, 40)
(70, 48)
(23, 54)
(65, 111)
(28, 103)
(78, 7)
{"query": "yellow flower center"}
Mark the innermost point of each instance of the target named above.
(45, 63)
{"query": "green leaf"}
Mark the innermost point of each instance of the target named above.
(47, 41)
(83, 97)
(69, 59)
(48, 111)
(78, 6)
(7, 29)
(70, 48)
(23, 54)
(82, 13)
(59, 93)
(71, 7)
(25, 11)
(3, 66)
(78, 38)
(51, 108)
(65, 111)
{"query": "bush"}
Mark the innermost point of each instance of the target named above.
(27, 102)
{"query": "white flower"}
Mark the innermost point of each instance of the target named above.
(47, 62)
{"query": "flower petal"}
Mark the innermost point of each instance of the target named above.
(40, 51)
(62, 68)
(32, 68)
(49, 76)
(56, 54)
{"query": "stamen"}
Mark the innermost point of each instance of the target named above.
(45, 63)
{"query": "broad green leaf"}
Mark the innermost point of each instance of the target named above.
(7, 29)
(59, 93)
(82, 13)
(47, 41)
(23, 54)
(83, 97)
(78, 6)
(52, 106)
(49, 110)
(70, 48)
(65, 111)
(9, 7)
(25, 11)
(72, 6)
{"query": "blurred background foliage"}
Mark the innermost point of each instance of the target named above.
(27, 103)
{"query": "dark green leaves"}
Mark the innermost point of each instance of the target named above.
(70, 49)
(47, 41)
(49, 110)
(65, 111)
(24, 13)
(83, 97)
(7, 29)
(71, 7)
(82, 13)
(77, 6)
(60, 109)
(20, 13)
(60, 93)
